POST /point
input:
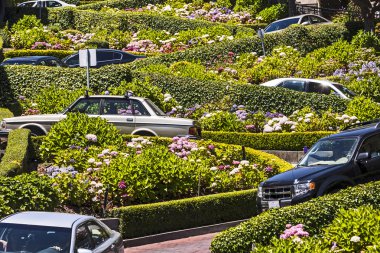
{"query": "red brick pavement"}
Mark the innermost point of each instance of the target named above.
(194, 244)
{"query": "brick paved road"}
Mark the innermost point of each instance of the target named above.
(194, 244)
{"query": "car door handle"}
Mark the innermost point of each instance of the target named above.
(129, 119)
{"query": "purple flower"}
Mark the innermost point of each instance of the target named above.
(211, 147)
(21, 98)
(268, 169)
(122, 185)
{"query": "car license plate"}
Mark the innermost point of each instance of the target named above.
(273, 204)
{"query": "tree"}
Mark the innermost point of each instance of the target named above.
(292, 7)
(368, 9)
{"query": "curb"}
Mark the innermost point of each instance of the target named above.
(179, 234)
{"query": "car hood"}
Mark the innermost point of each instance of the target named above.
(298, 173)
(35, 118)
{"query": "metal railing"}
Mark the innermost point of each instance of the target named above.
(325, 12)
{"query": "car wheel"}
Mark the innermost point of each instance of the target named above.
(144, 133)
(36, 131)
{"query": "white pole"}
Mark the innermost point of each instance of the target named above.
(88, 70)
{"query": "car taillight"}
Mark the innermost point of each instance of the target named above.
(193, 130)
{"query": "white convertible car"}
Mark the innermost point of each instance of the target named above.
(132, 115)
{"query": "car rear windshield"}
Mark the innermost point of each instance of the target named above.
(155, 108)
(282, 24)
(31, 239)
(344, 90)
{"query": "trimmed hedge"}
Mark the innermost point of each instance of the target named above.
(142, 220)
(5, 113)
(28, 80)
(268, 141)
(314, 214)
(1, 50)
(17, 154)
(119, 4)
(189, 91)
(57, 53)
(304, 38)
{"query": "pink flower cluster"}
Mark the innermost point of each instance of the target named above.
(291, 231)
(182, 147)
(79, 38)
(141, 46)
(105, 159)
(45, 45)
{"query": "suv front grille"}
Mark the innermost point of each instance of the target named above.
(277, 192)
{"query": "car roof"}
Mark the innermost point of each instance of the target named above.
(298, 16)
(112, 96)
(51, 219)
(31, 58)
(360, 131)
(299, 79)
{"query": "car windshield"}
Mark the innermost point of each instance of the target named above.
(28, 238)
(330, 152)
(344, 90)
(155, 108)
(281, 24)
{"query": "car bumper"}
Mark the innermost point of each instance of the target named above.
(263, 205)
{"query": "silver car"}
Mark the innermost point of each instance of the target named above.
(311, 85)
(131, 115)
(306, 19)
(48, 232)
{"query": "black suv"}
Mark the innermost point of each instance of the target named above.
(333, 163)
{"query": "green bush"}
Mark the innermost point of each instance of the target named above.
(272, 13)
(368, 87)
(26, 31)
(188, 92)
(142, 220)
(119, 4)
(27, 192)
(57, 53)
(1, 50)
(17, 154)
(73, 130)
(314, 215)
(29, 80)
(366, 39)
(268, 141)
(5, 113)
(223, 121)
(363, 108)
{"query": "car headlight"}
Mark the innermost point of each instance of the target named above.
(300, 189)
(260, 192)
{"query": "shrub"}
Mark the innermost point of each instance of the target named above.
(73, 131)
(1, 50)
(366, 39)
(27, 192)
(17, 154)
(222, 121)
(57, 53)
(367, 87)
(5, 113)
(119, 4)
(268, 141)
(142, 220)
(363, 108)
(189, 92)
(272, 13)
(26, 31)
(314, 215)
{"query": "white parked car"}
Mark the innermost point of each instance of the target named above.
(306, 19)
(45, 4)
(48, 232)
(132, 115)
(311, 85)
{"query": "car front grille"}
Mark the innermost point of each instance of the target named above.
(277, 193)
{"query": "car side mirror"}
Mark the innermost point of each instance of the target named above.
(363, 156)
(84, 251)
(305, 23)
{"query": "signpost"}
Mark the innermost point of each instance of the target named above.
(87, 58)
(261, 33)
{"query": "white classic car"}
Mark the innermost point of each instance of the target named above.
(131, 115)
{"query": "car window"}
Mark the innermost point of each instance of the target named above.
(83, 238)
(305, 19)
(155, 108)
(139, 109)
(52, 63)
(293, 85)
(87, 105)
(31, 4)
(117, 56)
(104, 55)
(344, 90)
(282, 24)
(319, 88)
(53, 4)
(372, 146)
(43, 62)
(129, 57)
(98, 234)
(117, 107)
(74, 60)
(316, 20)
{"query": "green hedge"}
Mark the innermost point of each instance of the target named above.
(1, 50)
(304, 38)
(141, 220)
(314, 214)
(268, 141)
(5, 113)
(190, 91)
(119, 4)
(57, 53)
(28, 80)
(27, 192)
(17, 154)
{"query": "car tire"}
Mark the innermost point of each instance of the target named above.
(144, 133)
(35, 131)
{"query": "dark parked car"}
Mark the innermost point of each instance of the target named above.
(34, 60)
(333, 163)
(104, 57)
